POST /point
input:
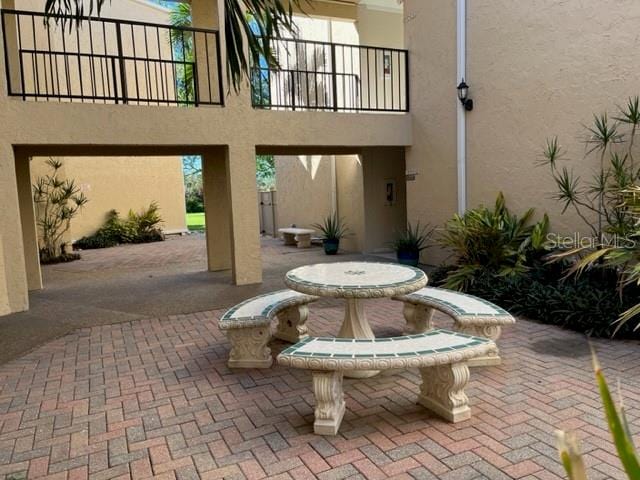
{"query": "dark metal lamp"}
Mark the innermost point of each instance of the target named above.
(463, 94)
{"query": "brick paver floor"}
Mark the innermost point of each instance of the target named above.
(155, 398)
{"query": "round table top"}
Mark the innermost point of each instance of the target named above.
(356, 279)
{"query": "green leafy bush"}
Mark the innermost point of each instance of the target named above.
(492, 240)
(140, 227)
(589, 303)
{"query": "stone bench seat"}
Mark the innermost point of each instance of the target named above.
(440, 355)
(248, 326)
(471, 315)
(301, 237)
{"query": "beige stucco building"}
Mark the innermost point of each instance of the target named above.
(535, 69)
(120, 183)
(312, 187)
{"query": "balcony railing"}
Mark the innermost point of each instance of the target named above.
(110, 61)
(325, 76)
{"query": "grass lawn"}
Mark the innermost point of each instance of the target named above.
(195, 221)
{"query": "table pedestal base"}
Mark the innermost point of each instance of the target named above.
(355, 325)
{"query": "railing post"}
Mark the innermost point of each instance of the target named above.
(219, 67)
(196, 87)
(407, 84)
(293, 90)
(334, 77)
(123, 73)
(115, 79)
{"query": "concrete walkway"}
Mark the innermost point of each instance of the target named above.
(133, 282)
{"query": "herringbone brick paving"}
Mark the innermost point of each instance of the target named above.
(155, 398)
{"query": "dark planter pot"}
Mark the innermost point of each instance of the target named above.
(408, 257)
(331, 246)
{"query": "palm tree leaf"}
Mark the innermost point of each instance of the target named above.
(253, 20)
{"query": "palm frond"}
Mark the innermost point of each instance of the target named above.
(248, 24)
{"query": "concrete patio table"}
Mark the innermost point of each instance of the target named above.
(355, 282)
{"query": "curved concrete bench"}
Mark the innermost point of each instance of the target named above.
(440, 355)
(248, 326)
(471, 315)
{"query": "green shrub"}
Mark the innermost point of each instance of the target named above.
(492, 240)
(589, 303)
(195, 203)
(140, 227)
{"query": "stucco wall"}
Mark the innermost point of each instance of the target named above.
(380, 28)
(539, 77)
(51, 128)
(304, 190)
(350, 183)
(123, 183)
(117, 182)
(430, 36)
(536, 69)
(383, 219)
(305, 184)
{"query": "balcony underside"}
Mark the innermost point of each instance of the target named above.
(29, 123)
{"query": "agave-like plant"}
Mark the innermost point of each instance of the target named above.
(414, 238)
(568, 445)
(333, 227)
(253, 21)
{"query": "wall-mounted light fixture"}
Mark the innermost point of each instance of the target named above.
(463, 95)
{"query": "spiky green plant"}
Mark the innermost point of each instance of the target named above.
(414, 238)
(333, 227)
(568, 445)
(594, 199)
(623, 255)
(57, 202)
(492, 240)
(248, 24)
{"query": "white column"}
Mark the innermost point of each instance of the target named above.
(461, 113)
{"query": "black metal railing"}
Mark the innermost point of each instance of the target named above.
(326, 76)
(110, 61)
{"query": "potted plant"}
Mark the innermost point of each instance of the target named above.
(411, 242)
(333, 229)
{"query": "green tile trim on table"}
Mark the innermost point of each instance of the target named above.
(418, 274)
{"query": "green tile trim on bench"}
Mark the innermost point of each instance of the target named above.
(297, 350)
(499, 311)
(229, 319)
